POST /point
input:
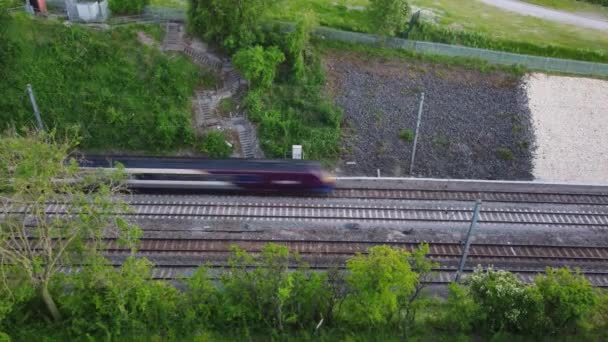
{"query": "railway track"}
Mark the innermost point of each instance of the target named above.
(180, 257)
(571, 216)
(329, 247)
(468, 196)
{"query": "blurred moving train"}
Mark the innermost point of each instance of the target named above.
(175, 173)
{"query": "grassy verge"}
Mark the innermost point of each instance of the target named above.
(459, 21)
(119, 93)
(576, 6)
(180, 4)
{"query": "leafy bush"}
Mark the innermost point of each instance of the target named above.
(104, 301)
(270, 297)
(231, 24)
(460, 312)
(128, 6)
(505, 303)
(258, 65)
(214, 145)
(566, 298)
(379, 283)
(388, 17)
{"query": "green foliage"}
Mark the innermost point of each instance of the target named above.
(231, 24)
(378, 282)
(29, 169)
(200, 301)
(104, 301)
(258, 64)
(460, 312)
(597, 319)
(297, 113)
(388, 17)
(566, 298)
(407, 135)
(505, 303)
(128, 6)
(214, 145)
(269, 297)
(597, 2)
(120, 94)
(297, 42)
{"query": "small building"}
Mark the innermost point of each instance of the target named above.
(87, 11)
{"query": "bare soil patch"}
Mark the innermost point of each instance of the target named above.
(474, 125)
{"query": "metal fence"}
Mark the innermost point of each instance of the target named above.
(491, 56)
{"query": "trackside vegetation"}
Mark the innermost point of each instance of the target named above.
(285, 76)
(266, 295)
(120, 94)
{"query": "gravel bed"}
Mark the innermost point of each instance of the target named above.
(474, 125)
(570, 118)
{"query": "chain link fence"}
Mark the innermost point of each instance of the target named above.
(491, 56)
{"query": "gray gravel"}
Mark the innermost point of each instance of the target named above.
(468, 117)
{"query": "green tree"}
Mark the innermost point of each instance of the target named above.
(388, 17)
(214, 145)
(35, 174)
(232, 24)
(258, 64)
(505, 303)
(380, 283)
(423, 266)
(566, 298)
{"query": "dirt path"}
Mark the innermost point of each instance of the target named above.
(548, 14)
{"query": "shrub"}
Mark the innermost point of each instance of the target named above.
(566, 298)
(269, 297)
(104, 301)
(388, 17)
(407, 135)
(231, 24)
(215, 146)
(505, 303)
(379, 282)
(460, 311)
(200, 301)
(128, 6)
(258, 64)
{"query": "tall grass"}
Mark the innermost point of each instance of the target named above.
(119, 93)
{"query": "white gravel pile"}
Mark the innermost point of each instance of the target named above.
(570, 119)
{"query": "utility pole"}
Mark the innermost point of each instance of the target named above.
(416, 134)
(35, 107)
(467, 243)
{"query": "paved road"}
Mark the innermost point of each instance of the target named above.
(548, 14)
